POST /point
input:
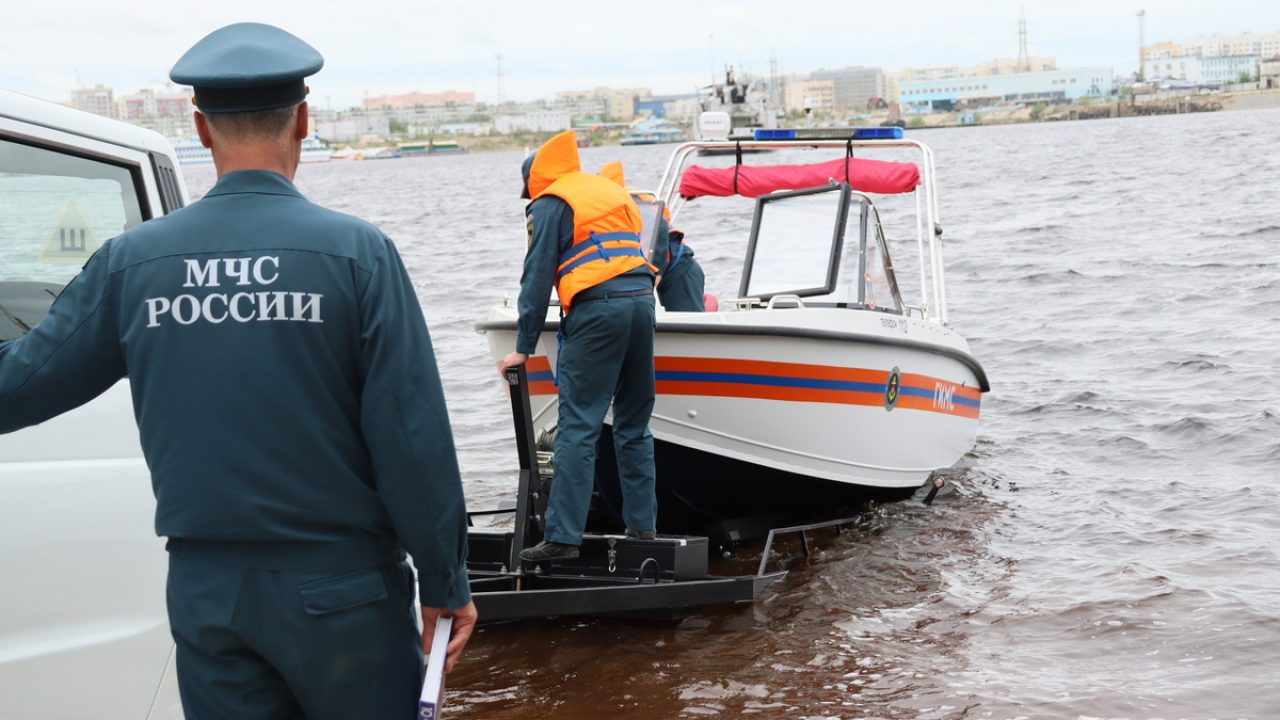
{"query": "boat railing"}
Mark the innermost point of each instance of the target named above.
(784, 299)
(933, 291)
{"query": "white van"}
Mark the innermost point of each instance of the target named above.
(83, 631)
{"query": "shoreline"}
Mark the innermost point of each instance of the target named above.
(1166, 104)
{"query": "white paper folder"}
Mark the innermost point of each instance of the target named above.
(433, 684)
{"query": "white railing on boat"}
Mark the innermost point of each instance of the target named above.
(933, 287)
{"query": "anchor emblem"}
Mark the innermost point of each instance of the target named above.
(891, 389)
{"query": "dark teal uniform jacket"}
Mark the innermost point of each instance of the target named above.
(283, 381)
(683, 282)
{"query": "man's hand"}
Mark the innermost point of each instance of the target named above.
(464, 622)
(511, 360)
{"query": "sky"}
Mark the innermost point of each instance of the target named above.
(670, 46)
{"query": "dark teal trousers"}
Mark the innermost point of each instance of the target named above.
(262, 644)
(607, 356)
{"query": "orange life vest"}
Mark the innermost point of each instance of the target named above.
(606, 222)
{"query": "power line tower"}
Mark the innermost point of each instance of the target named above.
(1024, 59)
(1142, 44)
(500, 98)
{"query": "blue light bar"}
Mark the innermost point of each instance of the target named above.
(774, 134)
(865, 133)
(877, 133)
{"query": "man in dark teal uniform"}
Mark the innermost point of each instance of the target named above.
(290, 409)
(584, 240)
(681, 283)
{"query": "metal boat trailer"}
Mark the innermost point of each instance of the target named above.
(614, 575)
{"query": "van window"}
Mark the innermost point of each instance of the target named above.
(56, 210)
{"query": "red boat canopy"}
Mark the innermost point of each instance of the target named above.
(874, 176)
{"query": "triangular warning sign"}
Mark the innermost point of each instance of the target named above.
(72, 240)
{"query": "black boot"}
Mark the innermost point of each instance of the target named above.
(643, 534)
(544, 551)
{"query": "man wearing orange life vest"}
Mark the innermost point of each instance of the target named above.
(584, 239)
(680, 279)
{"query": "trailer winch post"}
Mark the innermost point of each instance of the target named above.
(527, 452)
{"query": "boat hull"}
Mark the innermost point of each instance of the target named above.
(708, 493)
(752, 406)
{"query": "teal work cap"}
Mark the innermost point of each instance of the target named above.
(246, 67)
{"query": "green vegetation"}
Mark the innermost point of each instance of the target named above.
(1038, 110)
(915, 122)
(1246, 77)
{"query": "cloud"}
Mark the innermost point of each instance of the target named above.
(389, 46)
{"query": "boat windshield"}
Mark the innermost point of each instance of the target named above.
(650, 212)
(824, 244)
(795, 241)
(879, 282)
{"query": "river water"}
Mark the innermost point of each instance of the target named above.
(1109, 548)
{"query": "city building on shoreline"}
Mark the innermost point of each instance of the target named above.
(349, 126)
(810, 96)
(421, 114)
(852, 87)
(167, 111)
(99, 100)
(618, 104)
(545, 121)
(1269, 74)
(1266, 45)
(1211, 59)
(1044, 86)
(680, 108)
(854, 90)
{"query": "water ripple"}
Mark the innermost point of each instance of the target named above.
(1108, 548)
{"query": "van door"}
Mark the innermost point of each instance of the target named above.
(83, 629)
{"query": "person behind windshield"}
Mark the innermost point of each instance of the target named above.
(681, 282)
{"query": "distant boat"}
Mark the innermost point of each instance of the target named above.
(654, 133)
(381, 152)
(430, 147)
(747, 102)
(191, 152)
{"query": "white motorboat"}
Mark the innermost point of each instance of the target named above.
(819, 385)
(191, 152)
(732, 109)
